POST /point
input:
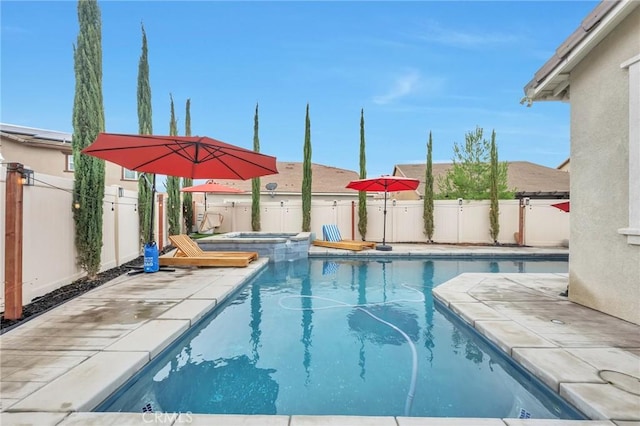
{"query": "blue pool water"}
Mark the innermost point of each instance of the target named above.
(343, 337)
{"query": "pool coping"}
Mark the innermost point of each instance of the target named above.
(50, 377)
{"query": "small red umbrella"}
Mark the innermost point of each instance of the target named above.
(384, 184)
(564, 206)
(211, 187)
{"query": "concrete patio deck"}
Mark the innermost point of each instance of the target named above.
(62, 364)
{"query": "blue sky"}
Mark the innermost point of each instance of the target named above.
(414, 67)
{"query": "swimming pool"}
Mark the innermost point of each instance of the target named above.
(348, 337)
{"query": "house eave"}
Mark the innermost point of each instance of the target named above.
(64, 146)
(544, 195)
(551, 82)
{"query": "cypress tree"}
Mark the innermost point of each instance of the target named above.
(428, 193)
(494, 211)
(173, 184)
(187, 198)
(145, 127)
(306, 176)
(255, 182)
(88, 121)
(362, 195)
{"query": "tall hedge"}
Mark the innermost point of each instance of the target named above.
(362, 195)
(187, 197)
(88, 121)
(494, 211)
(306, 176)
(173, 184)
(145, 127)
(428, 193)
(255, 182)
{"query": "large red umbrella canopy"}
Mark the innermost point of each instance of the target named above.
(212, 187)
(195, 157)
(384, 184)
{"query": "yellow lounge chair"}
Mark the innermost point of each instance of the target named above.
(189, 253)
(333, 239)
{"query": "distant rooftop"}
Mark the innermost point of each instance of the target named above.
(32, 134)
(529, 179)
(325, 179)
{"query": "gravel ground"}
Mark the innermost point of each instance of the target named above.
(63, 294)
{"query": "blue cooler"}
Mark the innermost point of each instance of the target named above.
(151, 257)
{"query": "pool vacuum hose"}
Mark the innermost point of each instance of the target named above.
(339, 304)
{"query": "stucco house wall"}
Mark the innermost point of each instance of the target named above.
(49, 158)
(604, 269)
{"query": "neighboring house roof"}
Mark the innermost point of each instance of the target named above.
(528, 179)
(36, 137)
(564, 166)
(551, 82)
(324, 180)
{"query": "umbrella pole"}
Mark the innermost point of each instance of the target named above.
(153, 196)
(384, 222)
(384, 246)
(140, 269)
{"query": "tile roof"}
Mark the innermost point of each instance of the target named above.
(325, 179)
(527, 178)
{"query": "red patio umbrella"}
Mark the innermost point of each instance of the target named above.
(564, 206)
(384, 184)
(195, 157)
(211, 187)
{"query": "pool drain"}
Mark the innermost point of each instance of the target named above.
(524, 414)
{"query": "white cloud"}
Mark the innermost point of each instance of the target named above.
(407, 84)
(11, 30)
(402, 86)
(435, 33)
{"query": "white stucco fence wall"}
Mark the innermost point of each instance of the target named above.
(48, 252)
(545, 226)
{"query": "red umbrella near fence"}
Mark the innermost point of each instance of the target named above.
(195, 157)
(564, 206)
(384, 184)
(211, 187)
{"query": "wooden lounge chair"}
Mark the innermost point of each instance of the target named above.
(189, 253)
(333, 239)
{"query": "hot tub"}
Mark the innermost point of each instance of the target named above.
(277, 246)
